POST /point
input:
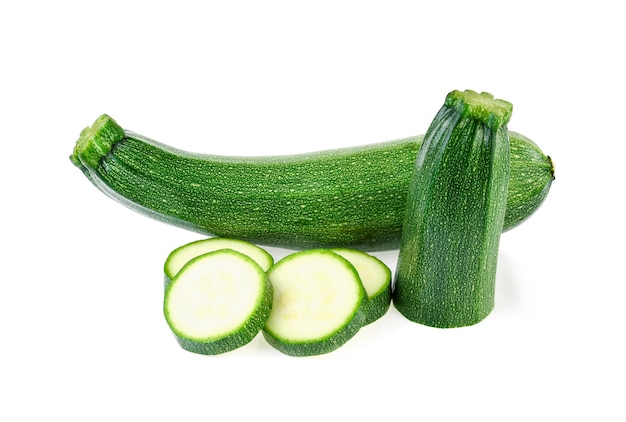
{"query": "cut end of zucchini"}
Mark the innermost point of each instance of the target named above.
(218, 302)
(96, 141)
(482, 106)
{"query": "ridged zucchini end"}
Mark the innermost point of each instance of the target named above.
(551, 166)
(483, 106)
(96, 141)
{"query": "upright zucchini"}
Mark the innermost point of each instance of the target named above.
(352, 197)
(446, 269)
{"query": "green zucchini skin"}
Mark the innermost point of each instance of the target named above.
(320, 347)
(351, 197)
(530, 178)
(445, 275)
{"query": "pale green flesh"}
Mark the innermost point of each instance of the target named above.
(376, 279)
(180, 256)
(374, 274)
(315, 295)
(213, 295)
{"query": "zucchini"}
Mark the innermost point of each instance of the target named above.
(317, 305)
(351, 197)
(183, 254)
(530, 169)
(376, 279)
(445, 275)
(217, 302)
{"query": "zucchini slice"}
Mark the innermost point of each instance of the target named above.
(218, 302)
(183, 254)
(376, 279)
(317, 305)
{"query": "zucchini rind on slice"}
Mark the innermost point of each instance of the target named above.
(218, 302)
(317, 306)
(376, 279)
(183, 254)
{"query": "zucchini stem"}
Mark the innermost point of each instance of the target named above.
(481, 106)
(96, 141)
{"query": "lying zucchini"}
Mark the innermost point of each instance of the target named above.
(317, 306)
(352, 197)
(218, 302)
(446, 269)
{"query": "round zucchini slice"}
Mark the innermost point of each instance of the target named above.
(317, 305)
(218, 302)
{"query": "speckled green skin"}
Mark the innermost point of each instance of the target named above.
(378, 305)
(352, 197)
(445, 276)
(530, 178)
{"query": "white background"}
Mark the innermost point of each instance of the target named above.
(83, 335)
